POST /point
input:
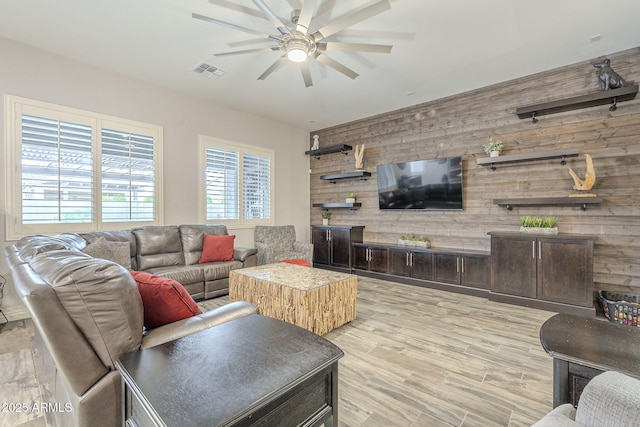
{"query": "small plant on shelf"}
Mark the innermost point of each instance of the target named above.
(326, 216)
(539, 224)
(493, 147)
(413, 240)
(350, 198)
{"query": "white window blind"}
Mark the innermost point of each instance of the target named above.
(57, 171)
(222, 184)
(128, 176)
(256, 188)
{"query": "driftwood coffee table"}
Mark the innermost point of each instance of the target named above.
(317, 300)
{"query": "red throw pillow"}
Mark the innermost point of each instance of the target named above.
(297, 262)
(164, 300)
(217, 248)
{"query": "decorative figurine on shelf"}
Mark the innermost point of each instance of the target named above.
(316, 142)
(607, 78)
(587, 183)
(359, 154)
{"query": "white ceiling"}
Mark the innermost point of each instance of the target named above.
(441, 47)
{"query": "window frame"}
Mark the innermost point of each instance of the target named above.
(205, 142)
(14, 107)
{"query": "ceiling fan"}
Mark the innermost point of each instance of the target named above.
(298, 43)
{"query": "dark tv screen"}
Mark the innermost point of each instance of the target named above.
(421, 184)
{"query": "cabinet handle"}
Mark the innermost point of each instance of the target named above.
(533, 249)
(411, 259)
(457, 264)
(539, 249)
(406, 259)
(463, 264)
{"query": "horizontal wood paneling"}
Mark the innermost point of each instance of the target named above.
(460, 124)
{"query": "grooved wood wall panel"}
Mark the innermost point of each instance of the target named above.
(460, 124)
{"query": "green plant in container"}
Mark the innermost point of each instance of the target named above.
(326, 216)
(539, 224)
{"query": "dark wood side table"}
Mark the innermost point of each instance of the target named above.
(253, 371)
(583, 347)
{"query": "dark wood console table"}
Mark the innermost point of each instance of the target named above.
(583, 347)
(254, 371)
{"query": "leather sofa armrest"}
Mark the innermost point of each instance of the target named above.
(241, 254)
(200, 322)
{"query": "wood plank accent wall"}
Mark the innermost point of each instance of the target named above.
(460, 124)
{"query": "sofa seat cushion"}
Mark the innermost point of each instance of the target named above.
(185, 274)
(164, 300)
(217, 248)
(219, 270)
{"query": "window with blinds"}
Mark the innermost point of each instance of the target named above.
(57, 171)
(74, 170)
(238, 179)
(128, 176)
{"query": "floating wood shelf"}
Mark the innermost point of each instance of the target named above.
(549, 201)
(351, 206)
(612, 97)
(526, 157)
(341, 148)
(332, 178)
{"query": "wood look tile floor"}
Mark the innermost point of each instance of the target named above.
(414, 357)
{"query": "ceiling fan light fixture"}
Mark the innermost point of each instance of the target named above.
(297, 48)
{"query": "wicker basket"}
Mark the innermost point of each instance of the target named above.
(620, 307)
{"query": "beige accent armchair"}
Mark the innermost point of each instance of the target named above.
(610, 399)
(277, 243)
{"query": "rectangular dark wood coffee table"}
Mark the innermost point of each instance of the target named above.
(254, 371)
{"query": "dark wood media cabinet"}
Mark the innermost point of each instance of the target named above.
(548, 272)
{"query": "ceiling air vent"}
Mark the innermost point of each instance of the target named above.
(209, 70)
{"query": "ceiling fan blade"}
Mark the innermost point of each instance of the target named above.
(235, 27)
(308, 8)
(238, 8)
(335, 65)
(351, 18)
(272, 17)
(241, 52)
(306, 74)
(354, 47)
(273, 67)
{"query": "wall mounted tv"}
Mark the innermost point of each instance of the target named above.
(421, 184)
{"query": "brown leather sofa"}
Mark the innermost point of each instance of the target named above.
(88, 312)
(174, 251)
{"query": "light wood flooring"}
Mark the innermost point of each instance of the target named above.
(414, 357)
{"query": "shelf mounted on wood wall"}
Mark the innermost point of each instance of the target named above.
(341, 148)
(612, 97)
(583, 202)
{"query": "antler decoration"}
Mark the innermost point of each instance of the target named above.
(359, 154)
(589, 179)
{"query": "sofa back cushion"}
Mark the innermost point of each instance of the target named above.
(158, 246)
(192, 237)
(100, 297)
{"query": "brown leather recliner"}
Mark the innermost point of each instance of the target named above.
(88, 312)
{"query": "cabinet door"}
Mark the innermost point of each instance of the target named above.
(447, 268)
(565, 273)
(340, 247)
(422, 267)
(476, 271)
(399, 262)
(360, 260)
(513, 265)
(378, 259)
(320, 245)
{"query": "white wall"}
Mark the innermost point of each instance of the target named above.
(35, 74)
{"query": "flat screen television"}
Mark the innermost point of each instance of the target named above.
(421, 184)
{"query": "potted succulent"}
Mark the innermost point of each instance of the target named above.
(350, 198)
(413, 240)
(326, 216)
(493, 148)
(539, 224)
